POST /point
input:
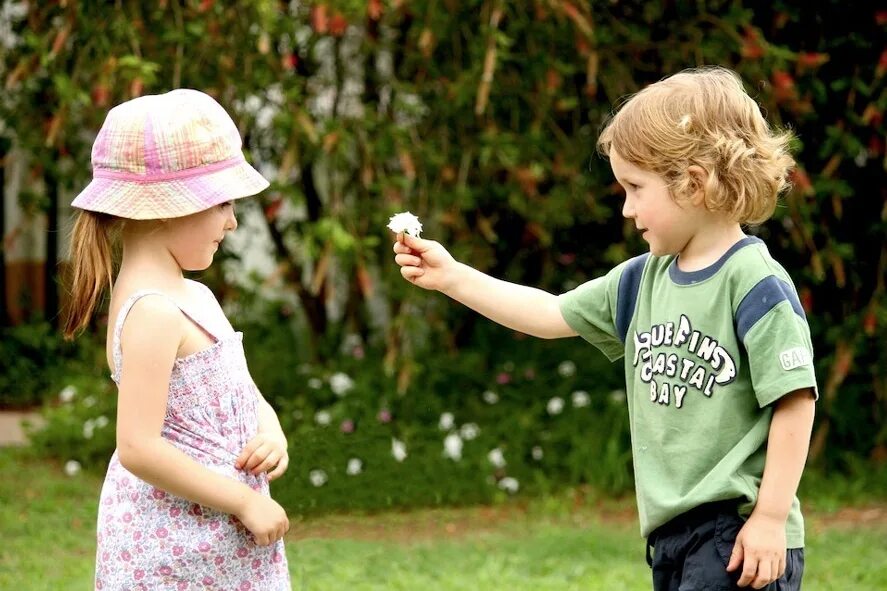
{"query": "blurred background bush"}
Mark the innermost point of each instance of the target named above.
(480, 116)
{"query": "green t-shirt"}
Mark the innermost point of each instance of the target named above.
(706, 354)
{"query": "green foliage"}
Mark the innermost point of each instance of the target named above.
(34, 359)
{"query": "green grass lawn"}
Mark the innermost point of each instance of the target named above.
(47, 520)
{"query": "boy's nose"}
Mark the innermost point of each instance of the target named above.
(627, 210)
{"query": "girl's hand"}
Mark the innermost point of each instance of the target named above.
(264, 452)
(264, 518)
(424, 262)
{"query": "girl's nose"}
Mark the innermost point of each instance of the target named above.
(232, 221)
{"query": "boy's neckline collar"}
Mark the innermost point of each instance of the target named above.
(691, 277)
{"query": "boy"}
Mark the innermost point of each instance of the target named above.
(719, 370)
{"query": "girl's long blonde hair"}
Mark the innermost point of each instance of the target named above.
(91, 268)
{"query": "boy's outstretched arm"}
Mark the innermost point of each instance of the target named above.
(760, 546)
(526, 309)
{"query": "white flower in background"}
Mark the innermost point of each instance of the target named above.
(566, 369)
(355, 467)
(72, 467)
(398, 450)
(405, 222)
(490, 397)
(322, 418)
(496, 458)
(555, 406)
(340, 383)
(317, 477)
(252, 104)
(537, 452)
(509, 485)
(581, 399)
(453, 447)
(101, 422)
(446, 421)
(89, 401)
(315, 383)
(88, 429)
(617, 396)
(67, 394)
(469, 431)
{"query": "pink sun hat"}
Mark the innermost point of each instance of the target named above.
(166, 156)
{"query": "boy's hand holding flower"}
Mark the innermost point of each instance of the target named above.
(423, 262)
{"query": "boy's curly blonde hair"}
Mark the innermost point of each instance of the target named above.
(704, 117)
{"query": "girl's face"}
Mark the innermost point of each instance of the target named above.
(194, 239)
(666, 225)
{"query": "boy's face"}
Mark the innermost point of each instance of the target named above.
(663, 223)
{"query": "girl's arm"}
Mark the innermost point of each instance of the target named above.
(150, 340)
(760, 545)
(526, 309)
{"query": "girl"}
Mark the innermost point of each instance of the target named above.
(185, 503)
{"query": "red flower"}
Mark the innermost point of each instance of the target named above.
(338, 25)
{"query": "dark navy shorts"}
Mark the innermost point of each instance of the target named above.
(691, 552)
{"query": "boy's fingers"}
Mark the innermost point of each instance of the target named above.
(411, 273)
(417, 244)
(749, 570)
(763, 579)
(735, 557)
(407, 260)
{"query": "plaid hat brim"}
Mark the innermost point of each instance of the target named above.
(151, 200)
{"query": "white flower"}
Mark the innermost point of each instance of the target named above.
(405, 222)
(67, 394)
(88, 428)
(101, 421)
(509, 485)
(317, 477)
(490, 397)
(340, 384)
(89, 401)
(496, 458)
(555, 405)
(446, 421)
(72, 467)
(398, 450)
(355, 467)
(453, 447)
(315, 383)
(322, 418)
(617, 396)
(469, 431)
(566, 369)
(581, 399)
(537, 452)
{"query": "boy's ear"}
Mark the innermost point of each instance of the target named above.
(698, 180)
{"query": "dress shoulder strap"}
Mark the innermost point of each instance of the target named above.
(117, 349)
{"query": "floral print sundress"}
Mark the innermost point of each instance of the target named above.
(149, 539)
